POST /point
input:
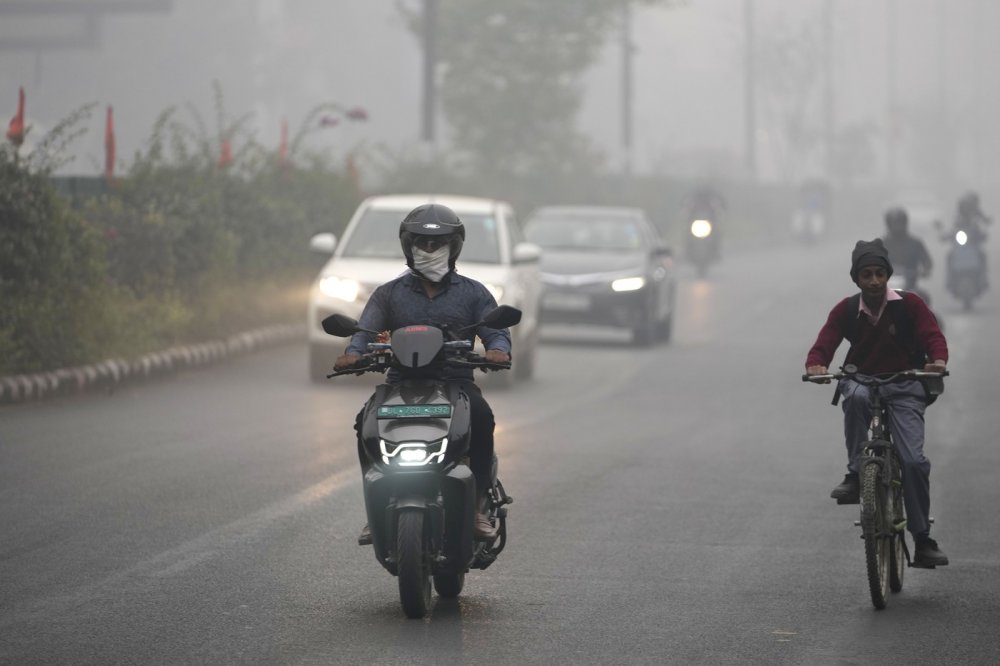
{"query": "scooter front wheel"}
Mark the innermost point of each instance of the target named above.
(412, 566)
(449, 586)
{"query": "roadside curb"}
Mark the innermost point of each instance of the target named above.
(108, 374)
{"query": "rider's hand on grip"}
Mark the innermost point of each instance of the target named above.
(817, 370)
(496, 356)
(346, 361)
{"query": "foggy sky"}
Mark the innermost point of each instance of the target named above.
(277, 59)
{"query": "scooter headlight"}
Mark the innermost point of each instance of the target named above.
(961, 237)
(701, 228)
(413, 454)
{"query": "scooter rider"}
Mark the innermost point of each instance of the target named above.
(908, 253)
(878, 346)
(432, 292)
(970, 218)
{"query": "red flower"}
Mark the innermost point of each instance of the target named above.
(17, 130)
(225, 154)
(357, 113)
(109, 146)
(328, 121)
(283, 145)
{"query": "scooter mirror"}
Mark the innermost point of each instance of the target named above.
(504, 316)
(342, 326)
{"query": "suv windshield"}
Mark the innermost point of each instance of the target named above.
(376, 236)
(585, 233)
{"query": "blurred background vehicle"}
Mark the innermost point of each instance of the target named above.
(494, 253)
(811, 211)
(605, 265)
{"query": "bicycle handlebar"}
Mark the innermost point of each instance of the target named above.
(874, 379)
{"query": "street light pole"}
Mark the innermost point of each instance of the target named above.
(627, 91)
(749, 90)
(429, 69)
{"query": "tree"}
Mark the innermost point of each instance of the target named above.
(510, 80)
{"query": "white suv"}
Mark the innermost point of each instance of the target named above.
(494, 253)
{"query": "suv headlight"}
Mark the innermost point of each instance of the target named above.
(413, 454)
(342, 288)
(494, 289)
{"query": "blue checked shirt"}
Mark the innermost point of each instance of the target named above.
(403, 302)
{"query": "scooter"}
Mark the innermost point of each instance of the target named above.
(419, 490)
(966, 269)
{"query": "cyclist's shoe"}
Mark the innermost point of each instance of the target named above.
(849, 490)
(365, 538)
(928, 555)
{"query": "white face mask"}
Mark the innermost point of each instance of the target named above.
(432, 265)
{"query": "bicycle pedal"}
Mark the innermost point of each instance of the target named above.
(848, 500)
(916, 565)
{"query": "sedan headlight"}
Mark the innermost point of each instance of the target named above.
(628, 284)
(413, 454)
(342, 288)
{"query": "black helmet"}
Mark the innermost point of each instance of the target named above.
(968, 204)
(896, 220)
(432, 220)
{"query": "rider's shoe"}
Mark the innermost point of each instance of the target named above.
(483, 530)
(849, 490)
(365, 538)
(928, 555)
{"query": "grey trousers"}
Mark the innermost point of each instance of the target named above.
(906, 421)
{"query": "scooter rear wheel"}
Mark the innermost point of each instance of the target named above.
(412, 567)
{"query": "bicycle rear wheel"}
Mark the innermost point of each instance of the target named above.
(876, 533)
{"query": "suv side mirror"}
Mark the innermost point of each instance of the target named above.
(526, 253)
(324, 243)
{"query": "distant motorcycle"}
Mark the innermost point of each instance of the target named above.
(702, 245)
(966, 269)
(808, 225)
(419, 491)
(907, 279)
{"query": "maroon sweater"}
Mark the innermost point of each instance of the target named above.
(877, 348)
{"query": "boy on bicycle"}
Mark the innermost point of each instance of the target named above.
(889, 331)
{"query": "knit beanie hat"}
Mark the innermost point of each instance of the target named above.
(869, 253)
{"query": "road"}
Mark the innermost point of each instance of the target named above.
(671, 506)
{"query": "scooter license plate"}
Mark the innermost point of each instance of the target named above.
(414, 411)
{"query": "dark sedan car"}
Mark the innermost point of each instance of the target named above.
(606, 266)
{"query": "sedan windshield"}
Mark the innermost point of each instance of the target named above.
(376, 236)
(585, 233)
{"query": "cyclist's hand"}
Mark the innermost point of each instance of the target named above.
(936, 366)
(497, 356)
(818, 370)
(346, 361)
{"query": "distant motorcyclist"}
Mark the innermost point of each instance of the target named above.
(908, 253)
(970, 218)
(431, 292)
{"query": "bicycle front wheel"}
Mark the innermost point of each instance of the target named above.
(897, 563)
(876, 533)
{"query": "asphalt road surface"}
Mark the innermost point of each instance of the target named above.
(671, 506)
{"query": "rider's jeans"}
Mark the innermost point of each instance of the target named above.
(907, 403)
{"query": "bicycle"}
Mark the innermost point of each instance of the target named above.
(883, 520)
